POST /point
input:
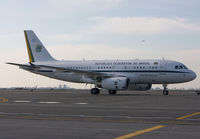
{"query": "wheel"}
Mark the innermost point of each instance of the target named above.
(165, 92)
(112, 92)
(95, 91)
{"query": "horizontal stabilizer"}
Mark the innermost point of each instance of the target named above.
(23, 65)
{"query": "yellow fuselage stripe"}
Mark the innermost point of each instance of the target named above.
(186, 116)
(140, 132)
(30, 55)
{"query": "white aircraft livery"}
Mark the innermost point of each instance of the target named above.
(113, 75)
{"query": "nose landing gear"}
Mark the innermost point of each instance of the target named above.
(165, 90)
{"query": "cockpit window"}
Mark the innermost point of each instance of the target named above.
(180, 67)
(185, 67)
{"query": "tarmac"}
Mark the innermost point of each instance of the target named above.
(76, 114)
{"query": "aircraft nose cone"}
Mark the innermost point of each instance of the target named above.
(193, 75)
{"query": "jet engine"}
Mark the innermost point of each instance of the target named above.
(115, 83)
(140, 87)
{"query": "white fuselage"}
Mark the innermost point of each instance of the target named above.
(138, 71)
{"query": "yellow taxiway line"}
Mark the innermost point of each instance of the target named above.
(186, 116)
(153, 128)
(140, 132)
(3, 100)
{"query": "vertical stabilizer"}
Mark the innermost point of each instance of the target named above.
(36, 50)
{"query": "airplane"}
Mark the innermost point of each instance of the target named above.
(112, 75)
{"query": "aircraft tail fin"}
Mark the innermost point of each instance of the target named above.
(36, 50)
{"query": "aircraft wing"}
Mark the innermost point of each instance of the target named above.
(91, 74)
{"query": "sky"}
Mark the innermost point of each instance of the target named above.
(99, 29)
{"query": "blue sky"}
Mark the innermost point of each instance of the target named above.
(99, 29)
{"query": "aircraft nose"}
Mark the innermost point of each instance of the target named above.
(193, 75)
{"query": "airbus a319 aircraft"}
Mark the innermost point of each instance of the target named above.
(113, 75)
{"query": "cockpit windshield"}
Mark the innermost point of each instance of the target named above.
(180, 67)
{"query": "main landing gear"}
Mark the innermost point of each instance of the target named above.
(95, 91)
(165, 90)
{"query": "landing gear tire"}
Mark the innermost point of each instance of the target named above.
(95, 91)
(165, 92)
(112, 92)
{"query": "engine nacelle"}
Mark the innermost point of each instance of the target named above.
(115, 83)
(140, 87)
